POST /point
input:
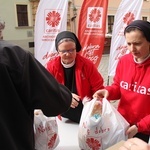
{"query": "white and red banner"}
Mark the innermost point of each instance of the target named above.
(127, 12)
(51, 18)
(91, 29)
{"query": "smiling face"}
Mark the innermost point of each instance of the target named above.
(67, 51)
(137, 44)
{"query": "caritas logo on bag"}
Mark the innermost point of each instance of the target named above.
(51, 135)
(93, 138)
(101, 126)
(46, 135)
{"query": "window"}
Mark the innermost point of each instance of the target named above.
(22, 15)
(144, 18)
(110, 23)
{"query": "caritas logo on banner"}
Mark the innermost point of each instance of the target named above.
(91, 30)
(94, 19)
(51, 18)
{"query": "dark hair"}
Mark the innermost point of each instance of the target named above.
(134, 29)
(131, 29)
(143, 26)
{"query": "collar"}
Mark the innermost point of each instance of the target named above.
(142, 60)
(68, 65)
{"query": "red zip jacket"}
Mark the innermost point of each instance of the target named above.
(88, 79)
(132, 86)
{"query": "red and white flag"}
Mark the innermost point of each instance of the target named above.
(51, 18)
(127, 12)
(91, 29)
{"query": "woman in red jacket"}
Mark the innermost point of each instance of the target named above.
(132, 81)
(75, 72)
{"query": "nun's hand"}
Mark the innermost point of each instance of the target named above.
(101, 94)
(75, 100)
(133, 130)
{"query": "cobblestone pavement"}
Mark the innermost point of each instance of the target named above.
(103, 69)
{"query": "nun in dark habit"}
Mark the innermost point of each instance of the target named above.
(74, 71)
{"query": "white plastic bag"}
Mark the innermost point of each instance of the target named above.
(102, 131)
(46, 132)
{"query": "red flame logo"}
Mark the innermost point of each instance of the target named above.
(53, 18)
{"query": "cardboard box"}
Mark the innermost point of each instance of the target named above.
(116, 146)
